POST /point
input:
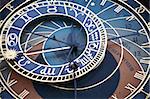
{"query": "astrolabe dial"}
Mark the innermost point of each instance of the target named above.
(77, 49)
(51, 36)
(51, 41)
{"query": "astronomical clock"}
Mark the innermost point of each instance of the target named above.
(74, 49)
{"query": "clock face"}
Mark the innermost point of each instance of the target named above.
(74, 36)
(74, 49)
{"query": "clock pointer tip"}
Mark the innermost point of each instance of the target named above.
(74, 66)
(10, 54)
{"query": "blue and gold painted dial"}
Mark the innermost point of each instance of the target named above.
(83, 43)
(74, 49)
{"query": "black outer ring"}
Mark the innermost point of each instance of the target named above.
(147, 30)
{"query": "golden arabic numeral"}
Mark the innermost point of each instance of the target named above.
(90, 25)
(76, 14)
(48, 71)
(23, 62)
(12, 39)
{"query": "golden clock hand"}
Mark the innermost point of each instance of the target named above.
(47, 50)
(74, 67)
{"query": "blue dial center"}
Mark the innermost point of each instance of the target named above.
(66, 44)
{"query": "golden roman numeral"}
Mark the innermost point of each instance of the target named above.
(10, 7)
(114, 96)
(24, 93)
(139, 75)
(146, 45)
(145, 60)
(130, 87)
